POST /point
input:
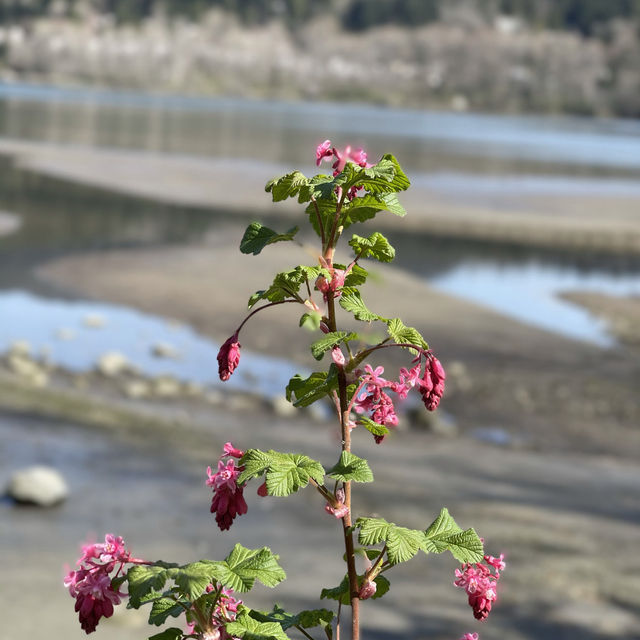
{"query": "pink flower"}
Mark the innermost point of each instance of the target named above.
(332, 285)
(367, 590)
(432, 384)
(228, 357)
(230, 450)
(262, 490)
(339, 509)
(337, 356)
(469, 636)
(480, 584)
(323, 150)
(228, 501)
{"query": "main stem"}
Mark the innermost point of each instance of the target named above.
(346, 521)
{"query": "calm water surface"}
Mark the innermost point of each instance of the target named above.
(469, 154)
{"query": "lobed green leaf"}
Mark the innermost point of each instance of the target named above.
(402, 543)
(351, 467)
(444, 534)
(248, 628)
(243, 567)
(353, 303)
(311, 320)
(164, 608)
(372, 427)
(287, 186)
(402, 334)
(193, 579)
(375, 246)
(257, 237)
(328, 341)
(173, 633)
(143, 580)
(307, 390)
(305, 619)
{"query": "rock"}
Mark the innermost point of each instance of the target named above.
(137, 389)
(166, 387)
(112, 364)
(282, 407)
(437, 422)
(38, 485)
(165, 350)
(94, 321)
(28, 369)
(20, 348)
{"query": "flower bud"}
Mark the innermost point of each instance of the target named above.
(228, 357)
(367, 589)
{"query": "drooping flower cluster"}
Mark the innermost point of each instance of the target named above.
(91, 584)
(225, 610)
(228, 357)
(228, 501)
(432, 386)
(375, 400)
(480, 584)
(469, 636)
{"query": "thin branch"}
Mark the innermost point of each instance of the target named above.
(264, 306)
(303, 632)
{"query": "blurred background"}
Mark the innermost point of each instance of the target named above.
(135, 141)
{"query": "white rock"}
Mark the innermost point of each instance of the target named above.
(94, 321)
(39, 485)
(137, 389)
(166, 387)
(20, 348)
(165, 350)
(112, 364)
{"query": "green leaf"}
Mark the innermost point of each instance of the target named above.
(350, 467)
(352, 302)
(243, 567)
(164, 608)
(144, 579)
(307, 390)
(372, 427)
(340, 593)
(305, 619)
(247, 628)
(356, 277)
(402, 543)
(402, 334)
(367, 206)
(375, 246)
(286, 472)
(172, 633)
(311, 320)
(329, 340)
(193, 579)
(256, 237)
(287, 186)
(385, 177)
(322, 212)
(285, 285)
(444, 534)
(292, 474)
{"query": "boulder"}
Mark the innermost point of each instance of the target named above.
(38, 485)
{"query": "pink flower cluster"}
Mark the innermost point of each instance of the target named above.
(228, 501)
(375, 400)
(225, 611)
(480, 583)
(331, 287)
(91, 584)
(379, 404)
(469, 636)
(340, 159)
(228, 357)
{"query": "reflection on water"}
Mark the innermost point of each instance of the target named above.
(288, 132)
(516, 154)
(74, 335)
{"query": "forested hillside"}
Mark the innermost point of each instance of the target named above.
(576, 56)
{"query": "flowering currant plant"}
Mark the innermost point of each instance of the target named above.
(205, 593)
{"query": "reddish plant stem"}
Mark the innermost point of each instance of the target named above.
(346, 521)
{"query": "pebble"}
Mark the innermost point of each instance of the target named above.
(38, 485)
(166, 387)
(28, 369)
(137, 389)
(94, 321)
(165, 350)
(112, 364)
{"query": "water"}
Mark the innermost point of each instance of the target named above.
(458, 155)
(63, 332)
(529, 292)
